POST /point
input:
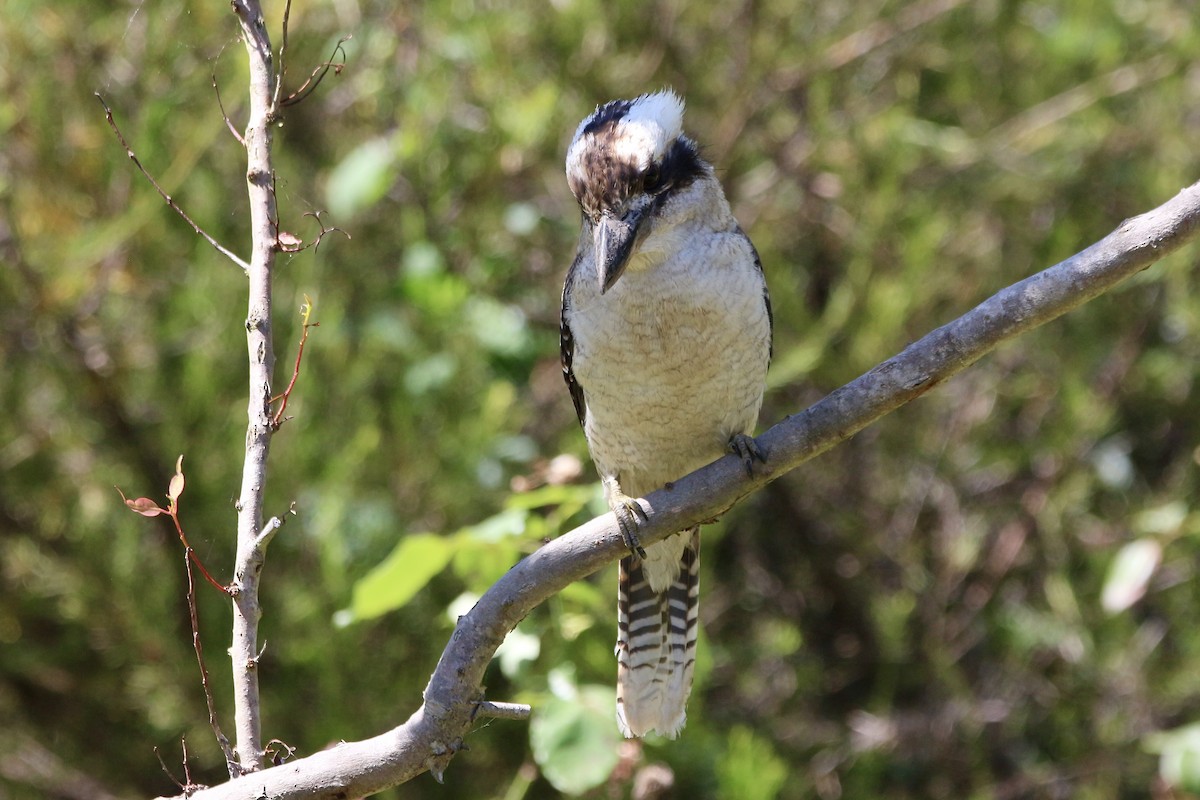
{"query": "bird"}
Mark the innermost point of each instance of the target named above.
(665, 339)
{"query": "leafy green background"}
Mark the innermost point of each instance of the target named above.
(948, 606)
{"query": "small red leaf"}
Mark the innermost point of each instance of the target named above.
(143, 505)
(176, 487)
(289, 242)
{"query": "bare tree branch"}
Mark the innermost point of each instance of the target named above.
(170, 201)
(251, 547)
(198, 647)
(454, 697)
(283, 35)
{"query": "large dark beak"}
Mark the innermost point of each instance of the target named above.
(614, 241)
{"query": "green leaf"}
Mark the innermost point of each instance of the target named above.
(526, 118)
(575, 741)
(1129, 574)
(479, 564)
(361, 179)
(521, 219)
(1163, 520)
(750, 769)
(430, 374)
(1179, 756)
(518, 648)
(575, 495)
(510, 522)
(399, 577)
(499, 327)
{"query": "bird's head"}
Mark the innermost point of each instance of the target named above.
(624, 164)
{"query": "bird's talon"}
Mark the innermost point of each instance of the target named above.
(629, 513)
(746, 448)
(629, 522)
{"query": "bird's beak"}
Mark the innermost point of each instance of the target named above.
(615, 238)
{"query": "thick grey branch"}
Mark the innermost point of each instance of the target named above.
(251, 546)
(431, 737)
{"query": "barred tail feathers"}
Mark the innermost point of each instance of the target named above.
(657, 611)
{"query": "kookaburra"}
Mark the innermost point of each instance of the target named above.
(666, 337)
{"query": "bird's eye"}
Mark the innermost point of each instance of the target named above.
(651, 177)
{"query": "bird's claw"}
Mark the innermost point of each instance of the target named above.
(746, 448)
(630, 515)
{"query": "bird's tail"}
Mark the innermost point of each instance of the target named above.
(657, 611)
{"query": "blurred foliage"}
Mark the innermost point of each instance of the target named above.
(947, 606)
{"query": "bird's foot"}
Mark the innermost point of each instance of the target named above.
(746, 448)
(630, 515)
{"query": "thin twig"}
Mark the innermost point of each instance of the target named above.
(518, 711)
(882, 31)
(281, 68)
(108, 115)
(148, 508)
(317, 242)
(223, 589)
(230, 759)
(187, 766)
(290, 243)
(305, 312)
(168, 772)
(217, 90)
(279, 752)
(318, 75)
(1032, 127)
(272, 527)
